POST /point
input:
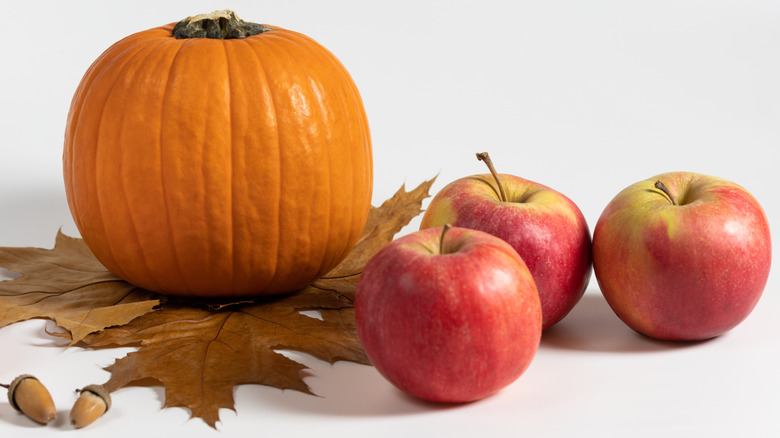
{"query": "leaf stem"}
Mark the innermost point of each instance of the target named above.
(662, 187)
(483, 156)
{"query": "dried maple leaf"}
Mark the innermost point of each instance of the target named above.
(200, 353)
(69, 286)
(383, 223)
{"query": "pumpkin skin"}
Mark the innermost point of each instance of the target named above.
(218, 168)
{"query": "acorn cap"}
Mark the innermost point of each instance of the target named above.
(100, 391)
(12, 389)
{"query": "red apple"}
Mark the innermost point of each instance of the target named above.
(682, 256)
(448, 316)
(545, 227)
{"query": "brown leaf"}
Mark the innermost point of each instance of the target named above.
(200, 353)
(383, 224)
(69, 286)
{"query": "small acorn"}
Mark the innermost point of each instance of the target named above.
(93, 402)
(27, 395)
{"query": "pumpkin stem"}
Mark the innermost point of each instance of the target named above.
(221, 25)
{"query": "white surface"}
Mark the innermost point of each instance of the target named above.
(586, 97)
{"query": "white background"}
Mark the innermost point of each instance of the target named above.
(584, 96)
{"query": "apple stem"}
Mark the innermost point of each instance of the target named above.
(483, 156)
(662, 187)
(444, 230)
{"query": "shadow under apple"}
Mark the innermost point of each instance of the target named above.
(345, 389)
(593, 326)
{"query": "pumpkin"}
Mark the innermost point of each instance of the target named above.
(229, 160)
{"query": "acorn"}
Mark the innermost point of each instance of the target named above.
(93, 402)
(27, 395)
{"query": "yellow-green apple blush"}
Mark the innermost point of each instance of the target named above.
(682, 256)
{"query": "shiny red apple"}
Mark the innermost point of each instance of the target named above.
(448, 316)
(545, 227)
(682, 256)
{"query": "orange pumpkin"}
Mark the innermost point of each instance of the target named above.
(218, 167)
